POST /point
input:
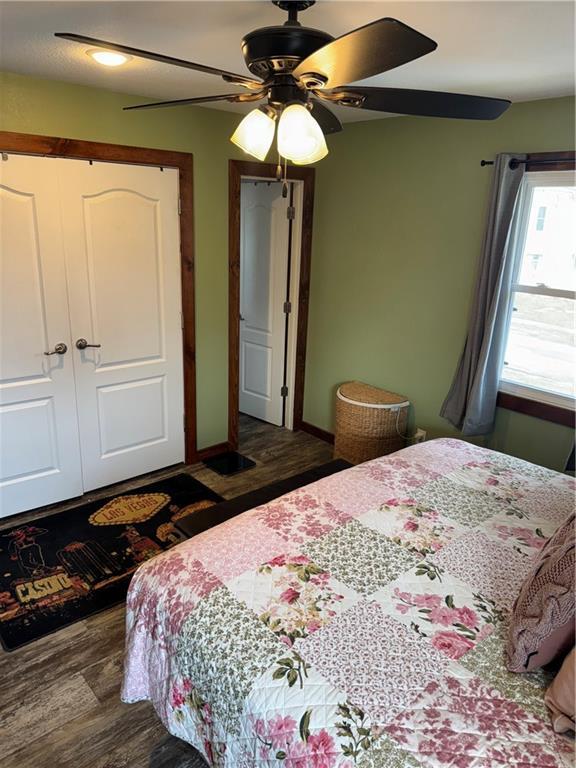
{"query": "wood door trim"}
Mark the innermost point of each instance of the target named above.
(52, 146)
(214, 450)
(236, 170)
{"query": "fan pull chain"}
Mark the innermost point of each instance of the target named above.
(282, 176)
(285, 180)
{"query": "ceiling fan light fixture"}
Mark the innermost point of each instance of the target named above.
(255, 134)
(300, 138)
(291, 64)
(108, 58)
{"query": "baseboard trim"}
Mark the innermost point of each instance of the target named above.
(318, 432)
(213, 450)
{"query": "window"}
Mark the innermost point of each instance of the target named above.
(540, 360)
(540, 218)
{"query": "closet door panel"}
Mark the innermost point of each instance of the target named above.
(124, 270)
(123, 264)
(39, 450)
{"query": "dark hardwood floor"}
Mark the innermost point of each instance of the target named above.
(60, 696)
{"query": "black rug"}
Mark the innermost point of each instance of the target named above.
(59, 569)
(229, 463)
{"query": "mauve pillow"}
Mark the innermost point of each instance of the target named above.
(560, 695)
(542, 622)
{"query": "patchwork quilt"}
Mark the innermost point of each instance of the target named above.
(358, 621)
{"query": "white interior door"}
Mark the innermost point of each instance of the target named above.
(39, 450)
(264, 243)
(121, 240)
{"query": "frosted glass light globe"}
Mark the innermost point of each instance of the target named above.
(300, 138)
(255, 134)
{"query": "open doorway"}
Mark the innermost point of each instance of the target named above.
(270, 239)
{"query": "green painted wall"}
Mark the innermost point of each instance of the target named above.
(32, 105)
(400, 208)
(400, 211)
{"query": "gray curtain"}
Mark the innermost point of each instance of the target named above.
(471, 402)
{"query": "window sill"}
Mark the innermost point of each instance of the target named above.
(546, 411)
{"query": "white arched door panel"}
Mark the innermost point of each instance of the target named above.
(264, 246)
(39, 449)
(121, 238)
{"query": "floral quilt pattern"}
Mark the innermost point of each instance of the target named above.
(486, 662)
(377, 661)
(292, 596)
(465, 723)
(488, 566)
(360, 557)
(441, 608)
(526, 537)
(359, 621)
(420, 529)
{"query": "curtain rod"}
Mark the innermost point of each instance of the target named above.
(547, 161)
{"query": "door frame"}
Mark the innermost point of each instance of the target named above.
(236, 170)
(52, 146)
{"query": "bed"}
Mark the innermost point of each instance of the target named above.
(358, 621)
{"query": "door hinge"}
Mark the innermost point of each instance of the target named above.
(179, 206)
(284, 391)
(184, 421)
(287, 307)
(291, 212)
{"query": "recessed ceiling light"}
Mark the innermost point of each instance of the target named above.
(108, 58)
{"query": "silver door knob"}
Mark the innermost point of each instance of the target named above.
(82, 344)
(59, 349)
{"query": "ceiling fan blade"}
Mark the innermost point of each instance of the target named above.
(232, 97)
(402, 101)
(139, 53)
(377, 47)
(325, 118)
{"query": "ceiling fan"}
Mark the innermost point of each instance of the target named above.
(299, 70)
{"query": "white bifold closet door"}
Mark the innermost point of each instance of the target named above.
(91, 256)
(39, 441)
(121, 237)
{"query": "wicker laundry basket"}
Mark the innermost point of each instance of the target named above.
(370, 422)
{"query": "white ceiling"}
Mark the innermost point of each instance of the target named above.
(518, 50)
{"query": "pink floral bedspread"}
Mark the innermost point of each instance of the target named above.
(358, 621)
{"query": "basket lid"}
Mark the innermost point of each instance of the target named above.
(366, 394)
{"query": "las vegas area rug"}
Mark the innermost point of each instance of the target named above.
(59, 569)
